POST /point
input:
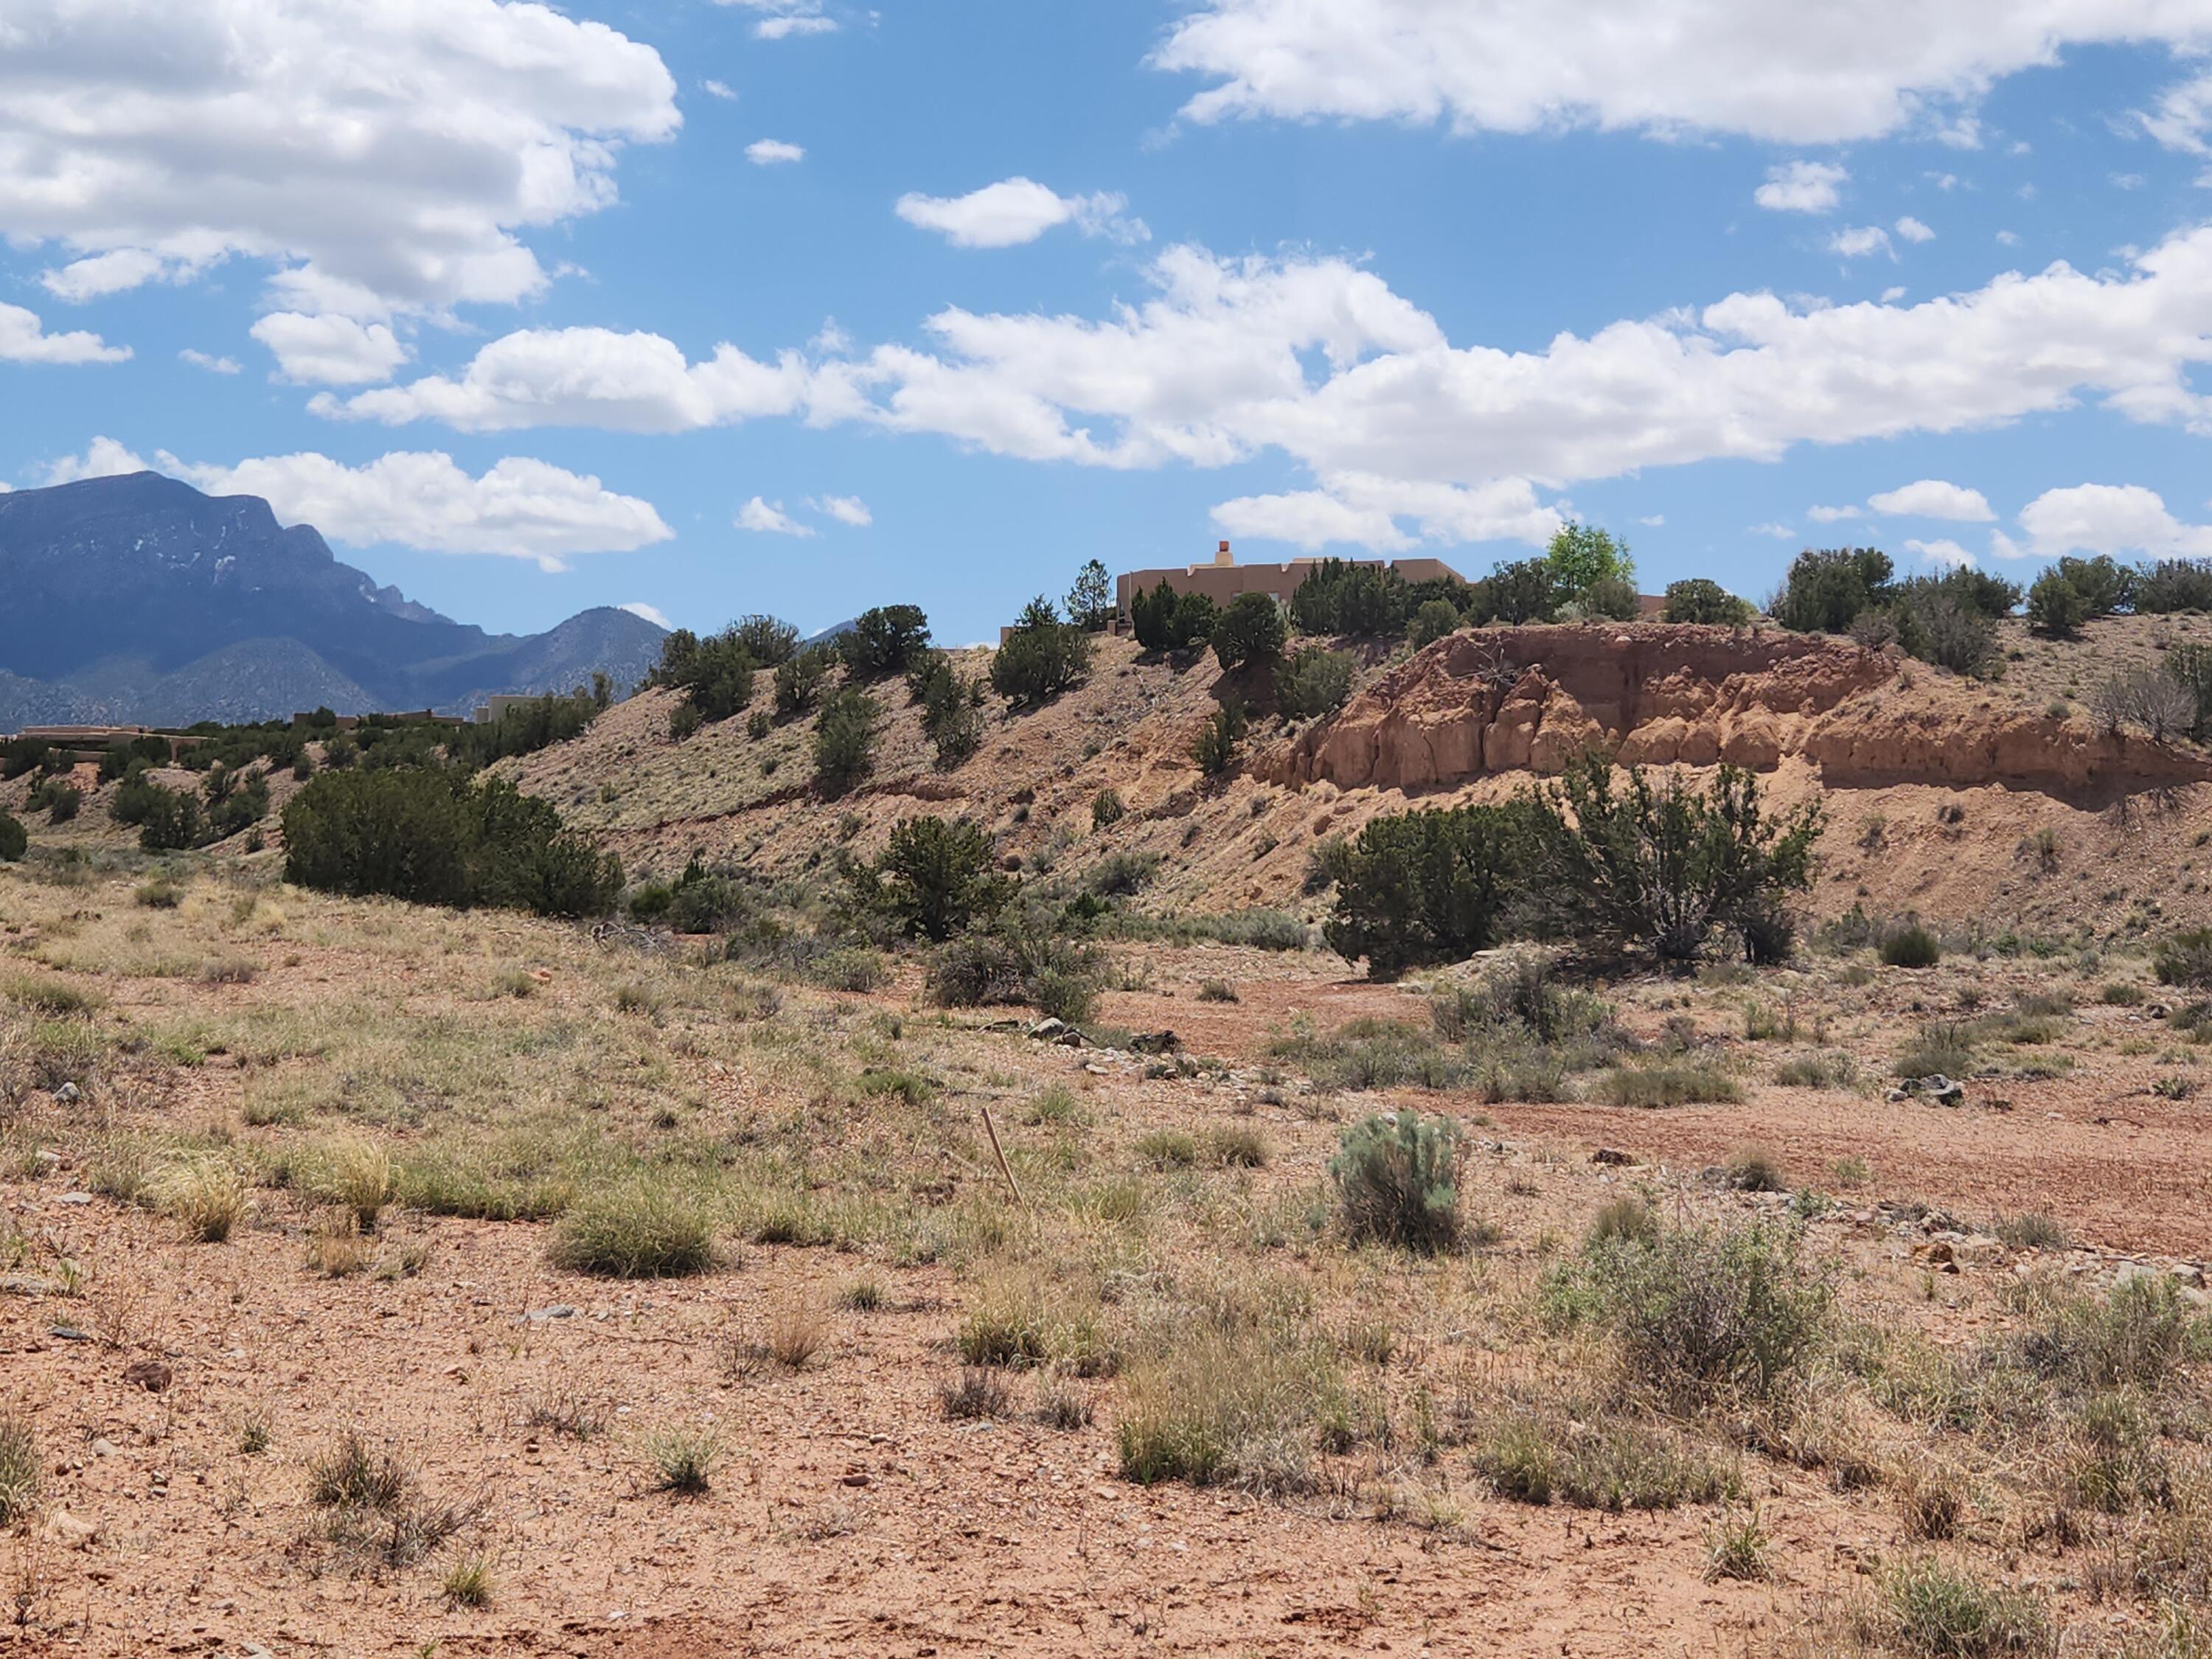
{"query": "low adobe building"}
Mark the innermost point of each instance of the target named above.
(1224, 579)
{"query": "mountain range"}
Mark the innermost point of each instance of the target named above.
(139, 599)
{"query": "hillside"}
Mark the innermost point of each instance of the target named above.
(1934, 785)
(140, 599)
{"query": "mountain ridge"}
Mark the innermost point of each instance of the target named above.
(139, 598)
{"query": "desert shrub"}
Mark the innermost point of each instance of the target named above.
(1521, 995)
(1432, 620)
(1910, 946)
(845, 741)
(2184, 958)
(240, 806)
(1521, 592)
(60, 801)
(1217, 990)
(933, 878)
(767, 640)
(1424, 886)
(798, 680)
(683, 723)
(1624, 864)
(1701, 1315)
(1106, 809)
(2136, 1337)
(1122, 875)
(977, 1393)
(1700, 600)
(1942, 1048)
(2056, 608)
(22, 755)
(432, 838)
(1611, 598)
(715, 674)
(522, 729)
(1341, 597)
(1041, 658)
(1215, 747)
(1826, 589)
(2159, 703)
(638, 1230)
(885, 639)
(1755, 1169)
(1164, 620)
(1015, 964)
(2104, 585)
(1397, 1180)
(1679, 1084)
(1821, 1071)
(1313, 682)
(14, 841)
(2172, 585)
(1944, 621)
(172, 819)
(682, 1460)
(1250, 630)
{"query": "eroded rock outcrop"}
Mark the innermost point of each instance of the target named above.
(1502, 699)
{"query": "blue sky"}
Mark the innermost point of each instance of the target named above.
(794, 305)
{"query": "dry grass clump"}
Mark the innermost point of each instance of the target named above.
(467, 1583)
(1245, 1406)
(1681, 1083)
(977, 1392)
(20, 1471)
(1928, 1606)
(681, 1460)
(206, 1194)
(1020, 1317)
(353, 1173)
(50, 999)
(1737, 1546)
(1599, 1461)
(635, 1230)
(372, 1509)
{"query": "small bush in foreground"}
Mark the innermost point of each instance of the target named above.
(636, 1230)
(681, 1460)
(2184, 958)
(1242, 1407)
(1614, 1463)
(206, 1195)
(1910, 946)
(1397, 1180)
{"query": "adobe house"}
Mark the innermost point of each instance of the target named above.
(1224, 579)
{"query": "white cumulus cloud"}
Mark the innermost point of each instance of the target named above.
(1830, 74)
(2116, 519)
(1912, 230)
(329, 350)
(1016, 210)
(209, 360)
(1780, 532)
(768, 518)
(1944, 552)
(846, 509)
(377, 157)
(651, 613)
(1860, 240)
(1830, 514)
(1933, 498)
(1802, 188)
(773, 152)
(780, 20)
(103, 458)
(23, 339)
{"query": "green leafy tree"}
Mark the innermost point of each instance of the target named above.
(1250, 630)
(15, 840)
(1580, 557)
(798, 680)
(1432, 620)
(1090, 601)
(715, 674)
(2106, 586)
(1700, 600)
(1215, 751)
(1625, 864)
(1341, 597)
(173, 821)
(885, 639)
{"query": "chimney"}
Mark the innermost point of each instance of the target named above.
(1222, 557)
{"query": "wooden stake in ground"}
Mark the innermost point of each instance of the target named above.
(999, 1152)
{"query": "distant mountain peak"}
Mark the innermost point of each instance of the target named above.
(221, 612)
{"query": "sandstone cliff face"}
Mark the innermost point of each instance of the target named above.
(1502, 700)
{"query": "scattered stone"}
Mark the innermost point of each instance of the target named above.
(558, 1310)
(103, 1449)
(68, 1095)
(1057, 1032)
(70, 1334)
(1154, 1042)
(155, 1375)
(71, 1532)
(1613, 1156)
(27, 1285)
(74, 1198)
